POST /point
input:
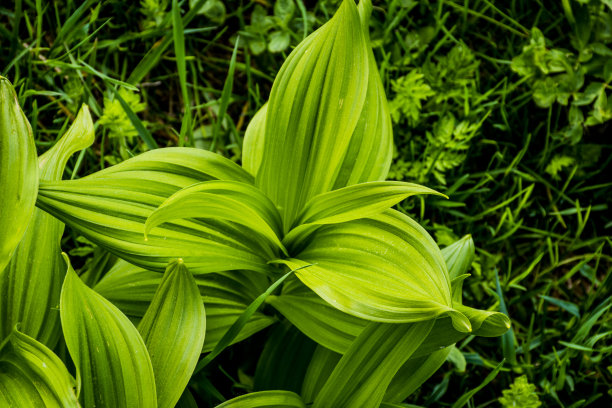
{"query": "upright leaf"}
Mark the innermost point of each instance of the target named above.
(30, 287)
(113, 366)
(315, 104)
(254, 141)
(18, 172)
(173, 329)
(32, 376)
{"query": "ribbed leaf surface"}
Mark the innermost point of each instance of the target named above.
(30, 287)
(32, 376)
(113, 366)
(18, 172)
(173, 329)
(315, 104)
(111, 207)
(384, 268)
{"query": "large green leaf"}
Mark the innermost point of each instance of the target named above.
(369, 154)
(233, 201)
(384, 268)
(18, 172)
(31, 284)
(226, 296)
(32, 376)
(351, 203)
(113, 366)
(265, 399)
(365, 371)
(315, 104)
(110, 208)
(173, 329)
(321, 366)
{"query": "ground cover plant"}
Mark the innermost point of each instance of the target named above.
(501, 107)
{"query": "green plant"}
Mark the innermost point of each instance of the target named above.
(521, 394)
(305, 226)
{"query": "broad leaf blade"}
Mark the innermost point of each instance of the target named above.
(352, 203)
(113, 365)
(110, 208)
(231, 201)
(226, 296)
(315, 104)
(18, 172)
(32, 376)
(265, 399)
(173, 329)
(30, 287)
(360, 268)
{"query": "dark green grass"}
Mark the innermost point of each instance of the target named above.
(543, 242)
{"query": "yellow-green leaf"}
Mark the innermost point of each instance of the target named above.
(30, 287)
(113, 366)
(265, 399)
(18, 172)
(315, 104)
(173, 329)
(32, 376)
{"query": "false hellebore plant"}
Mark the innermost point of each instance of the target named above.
(305, 225)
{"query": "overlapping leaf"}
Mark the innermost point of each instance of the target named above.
(226, 295)
(111, 207)
(266, 399)
(112, 362)
(173, 329)
(384, 268)
(315, 105)
(18, 172)
(232, 201)
(32, 376)
(30, 287)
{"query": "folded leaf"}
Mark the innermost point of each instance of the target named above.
(112, 362)
(173, 329)
(226, 296)
(365, 371)
(369, 154)
(315, 104)
(111, 207)
(18, 172)
(30, 287)
(32, 376)
(263, 399)
(384, 268)
(352, 203)
(254, 140)
(232, 201)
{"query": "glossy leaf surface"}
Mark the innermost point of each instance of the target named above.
(18, 172)
(31, 284)
(173, 329)
(32, 376)
(112, 362)
(265, 399)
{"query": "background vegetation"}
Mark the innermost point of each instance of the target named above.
(503, 106)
